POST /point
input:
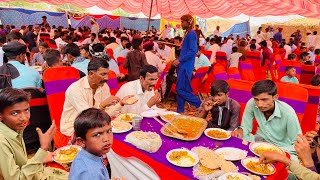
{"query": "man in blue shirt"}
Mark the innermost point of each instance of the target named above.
(16, 54)
(117, 51)
(72, 52)
(186, 64)
(278, 35)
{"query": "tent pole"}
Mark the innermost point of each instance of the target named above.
(149, 16)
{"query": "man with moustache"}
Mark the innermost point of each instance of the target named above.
(142, 90)
(90, 91)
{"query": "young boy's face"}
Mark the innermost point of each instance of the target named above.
(99, 140)
(220, 98)
(16, 116)
(291, 72)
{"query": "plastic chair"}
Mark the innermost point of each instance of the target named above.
(284, 64)
(121, 61)
(307, 73)
(255, 59)
(56, 82)
(196, 80)
(219, 72)
(233, 73)
(246, 71)
(317, 60)
(207, 53)
(113, 82)
(221, 58)
(110, 53)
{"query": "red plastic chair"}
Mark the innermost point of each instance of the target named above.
(121, 60)
(196, 80)
(233, 73)
(110, 53)
(221, 58)
(307, 73)
(255, 59)
(219, 72)
(246, 71)
(161, 78)
(207, 53)
(56, 82)
(113, 82)
(317, 60)
(284, 64)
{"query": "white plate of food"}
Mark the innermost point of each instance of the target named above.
(260, 147)
(217, 134)
(168, 116)
(152, 113)
(252, 165)
(234, 176)
(120, 126)
(231, 154)
(182, 157)
(128, 117)
(66, 154)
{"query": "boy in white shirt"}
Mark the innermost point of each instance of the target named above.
(234, 57)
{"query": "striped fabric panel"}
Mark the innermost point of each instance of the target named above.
(200, 75)
(313, 100)
(253, 57)
(222, 76)
(58, 86)
(234, 76)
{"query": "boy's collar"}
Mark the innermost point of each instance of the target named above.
(91, 156)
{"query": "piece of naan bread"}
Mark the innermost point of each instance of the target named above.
(148, 141)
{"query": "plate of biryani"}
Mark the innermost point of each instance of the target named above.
(182, 157)
(192, 127)
(234, 176)
(66, 154)
(252, 165)
(217, 134)
(168, 116)
(126, 117)
(210, 164)
(260, 147)
(120, 126)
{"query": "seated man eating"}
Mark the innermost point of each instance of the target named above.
(89, 91)
(142, 89)
(278, 122)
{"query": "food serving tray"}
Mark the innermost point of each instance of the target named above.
(193, 125)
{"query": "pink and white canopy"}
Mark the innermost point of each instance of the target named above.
(173, 9)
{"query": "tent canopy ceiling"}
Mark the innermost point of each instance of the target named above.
(173, 9)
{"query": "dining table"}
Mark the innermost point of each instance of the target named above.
(163, 168)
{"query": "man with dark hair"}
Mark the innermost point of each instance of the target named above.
(185, 65)
(198, 32)
(277, 121)
(292, 57)
(135, 60)
(16, 54)
(90, 91)
(113, 44)
(31, 38)
(72, 52)
(126, 50)
(44, 22)
(117, 51)
(143, 90)
(266, 52)
(224, 111)
(91, 40)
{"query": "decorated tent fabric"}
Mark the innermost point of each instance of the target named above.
(221, 58)
(310, 114)
(172, 10)
(56, 82)
(233, 73)
(240, 29)
(121, 60)
(220, 72)
(104, 21)
(246, 70)
(138, 23)
(197, 78)
(307, 73)
(255, 59)
(113, 82)
(284, 64)
(20, 17)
